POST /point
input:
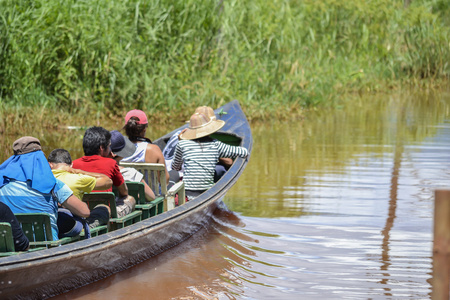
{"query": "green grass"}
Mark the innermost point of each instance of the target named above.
(169, 56)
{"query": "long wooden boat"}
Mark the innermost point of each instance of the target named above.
(45, 273)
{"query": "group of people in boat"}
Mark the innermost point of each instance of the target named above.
(33, 183)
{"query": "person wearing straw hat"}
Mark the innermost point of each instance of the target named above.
(224, 162)
(169, 150)
(200, 153)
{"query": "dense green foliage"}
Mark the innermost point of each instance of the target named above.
(171, 55)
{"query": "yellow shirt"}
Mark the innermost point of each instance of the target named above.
(78, 183)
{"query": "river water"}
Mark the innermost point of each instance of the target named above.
(338, 205)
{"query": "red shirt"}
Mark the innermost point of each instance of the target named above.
(100, 164)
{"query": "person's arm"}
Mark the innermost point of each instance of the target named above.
(103, 182)
(77, 207)
(154, 155)
(21, 242)
(123, 190)
(64, 196)
(229, 151)
(226, 162)
(149, 195)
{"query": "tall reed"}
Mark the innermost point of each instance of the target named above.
(169, 55)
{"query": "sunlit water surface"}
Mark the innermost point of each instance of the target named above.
(336, 206)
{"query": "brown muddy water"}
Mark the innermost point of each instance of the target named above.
(336, 206)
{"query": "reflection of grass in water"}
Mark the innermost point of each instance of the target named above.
(286, 154)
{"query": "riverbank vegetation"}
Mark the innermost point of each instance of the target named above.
(278, 57)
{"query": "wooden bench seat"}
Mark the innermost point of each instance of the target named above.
(155, 177)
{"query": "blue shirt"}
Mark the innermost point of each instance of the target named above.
(21, 198)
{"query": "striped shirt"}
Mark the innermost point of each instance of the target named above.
(200, 159)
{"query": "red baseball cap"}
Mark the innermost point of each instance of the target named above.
(138, 114)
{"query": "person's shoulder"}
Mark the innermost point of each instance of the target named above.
(84, 177)
(85, 182)
(153, 148)
(149, 145)
(60, 185)
(108, 160)
(189, 144)
(57, 172)
(217, 142)
(59, 182)
(98, 159)
(185, 142)
(61, 191)
(63, 175)
(78, 161)
(108, 164)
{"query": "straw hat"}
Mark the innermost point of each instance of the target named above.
(207, 111)
(200, 126)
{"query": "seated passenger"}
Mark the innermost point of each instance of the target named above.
(200, 154)
(224, 163)
(27, 184)
(169, 150)
(135, 128)
(96, 146)
(21, 242)
(80, 182)
(122, 147)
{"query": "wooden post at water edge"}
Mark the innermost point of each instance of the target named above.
(441, 245)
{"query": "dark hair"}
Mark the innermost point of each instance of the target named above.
(134, 130)
(60, 156)
(95, 137)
